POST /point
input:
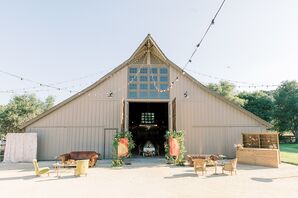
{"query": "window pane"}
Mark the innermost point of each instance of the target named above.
(164, 86)
(133, 70)
(152, 87)
(133, 86)
(164, 95)
(133, 78)
(143, 86)
(143, 78)
(153, 78)
(163, 70)
(153, 70)
(144, 70)
(153, 94)
(143, 94)
(132, 94)
(163, 79)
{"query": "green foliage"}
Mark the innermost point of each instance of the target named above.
(286, 107)
(21, 109)
(179, 136)
(227, 90)
(118, 161)
(259, 103)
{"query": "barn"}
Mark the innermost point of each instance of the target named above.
(147, 94)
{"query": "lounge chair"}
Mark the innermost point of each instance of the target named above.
(200, 165)
(40, 171)
(81, 168)
(230, 166)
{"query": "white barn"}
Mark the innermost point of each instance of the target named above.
(138, 96)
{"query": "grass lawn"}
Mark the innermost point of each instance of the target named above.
(289, 153)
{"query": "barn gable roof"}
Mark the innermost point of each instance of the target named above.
(148, 43)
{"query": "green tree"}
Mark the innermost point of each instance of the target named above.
(227, 90)
(260, 103)
(286, 107)
(21, 109)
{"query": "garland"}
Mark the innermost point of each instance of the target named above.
(118, 161)
(179, 136)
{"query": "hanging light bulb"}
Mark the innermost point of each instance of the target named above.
(186, 94)
(110, 94)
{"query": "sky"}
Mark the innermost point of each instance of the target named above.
(71, 44)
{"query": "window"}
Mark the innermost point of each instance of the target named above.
(147, 118)
(147, 81)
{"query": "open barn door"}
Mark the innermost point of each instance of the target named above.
(123, 116)
(174, 114)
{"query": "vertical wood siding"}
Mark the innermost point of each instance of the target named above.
(80, 124)
(210, 124)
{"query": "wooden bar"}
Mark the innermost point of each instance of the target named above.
(258, 156)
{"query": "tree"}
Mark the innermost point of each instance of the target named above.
(286, 107)
(21, 109)
(260, 103)
(227, 90)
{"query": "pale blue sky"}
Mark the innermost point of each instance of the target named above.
(51, 41)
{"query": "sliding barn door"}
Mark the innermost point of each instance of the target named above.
(174, 114)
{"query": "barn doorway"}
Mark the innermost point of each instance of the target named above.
(148, 122)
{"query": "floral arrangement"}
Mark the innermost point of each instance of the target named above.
(123, 143)
(238, 146)
(175, 139)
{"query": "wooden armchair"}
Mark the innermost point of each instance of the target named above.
(200, 165)
(230, 166)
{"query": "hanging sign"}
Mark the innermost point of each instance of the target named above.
(123, 147)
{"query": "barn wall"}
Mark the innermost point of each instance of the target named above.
(80, 124)
(211, 125)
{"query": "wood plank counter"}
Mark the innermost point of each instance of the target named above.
(259, 156)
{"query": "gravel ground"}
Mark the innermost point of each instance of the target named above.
(148, 178)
